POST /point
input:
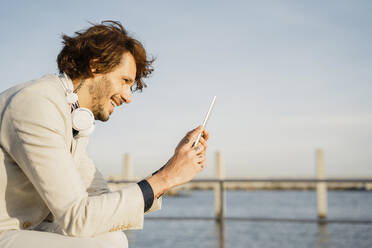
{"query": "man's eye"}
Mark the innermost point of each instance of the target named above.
(127, 81)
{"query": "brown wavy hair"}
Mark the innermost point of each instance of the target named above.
(101, 47)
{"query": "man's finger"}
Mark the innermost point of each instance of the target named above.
(203, 142)
(193, 134)
(205, 135)
(200, 158)
(199, 148)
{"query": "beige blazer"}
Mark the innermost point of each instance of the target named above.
(44, 170)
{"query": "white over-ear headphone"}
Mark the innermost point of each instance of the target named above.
(82, 118)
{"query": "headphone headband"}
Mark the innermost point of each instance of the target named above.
(82, 118)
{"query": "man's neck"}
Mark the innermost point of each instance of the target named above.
(82, 90)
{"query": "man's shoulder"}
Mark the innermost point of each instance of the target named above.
(43, 98)
(47, 87)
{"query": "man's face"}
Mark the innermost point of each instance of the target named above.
(111, 89)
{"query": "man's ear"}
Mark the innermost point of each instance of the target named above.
(93, 64)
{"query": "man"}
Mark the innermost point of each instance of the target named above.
(52, 194)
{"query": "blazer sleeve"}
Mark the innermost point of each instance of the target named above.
(33, 133)
(92, 177)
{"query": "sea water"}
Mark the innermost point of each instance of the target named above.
(268, 220)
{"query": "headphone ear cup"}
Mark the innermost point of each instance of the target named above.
(82, 119)
(86, 132)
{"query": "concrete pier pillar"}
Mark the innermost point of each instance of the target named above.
(127, 167)
(219, 188)
(321, 188)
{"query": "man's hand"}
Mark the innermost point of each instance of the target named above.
(184, 165)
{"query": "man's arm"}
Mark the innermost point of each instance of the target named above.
(185, 164)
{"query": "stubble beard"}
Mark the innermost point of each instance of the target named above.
(100, 91)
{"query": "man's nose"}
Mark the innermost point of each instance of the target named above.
(126, 95)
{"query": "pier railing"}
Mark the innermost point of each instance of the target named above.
(220, 184)
(220, 201)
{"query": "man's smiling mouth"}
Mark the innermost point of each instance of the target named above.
(115, 102)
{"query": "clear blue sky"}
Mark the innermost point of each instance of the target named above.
(290, 77)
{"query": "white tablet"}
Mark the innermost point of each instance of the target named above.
(206, 119)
